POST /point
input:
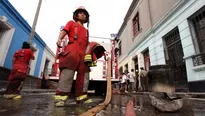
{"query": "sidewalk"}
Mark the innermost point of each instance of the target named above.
(189, 94)
(3, 85)
(179, 94)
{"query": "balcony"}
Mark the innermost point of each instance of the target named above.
(199, 59)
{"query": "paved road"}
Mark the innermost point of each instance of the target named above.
(191, 107)
(42, 105)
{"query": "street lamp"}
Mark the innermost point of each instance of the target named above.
(113, 36)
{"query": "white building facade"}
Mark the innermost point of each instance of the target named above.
(47, 62)
(172, 33)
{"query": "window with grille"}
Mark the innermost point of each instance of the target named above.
(136, 25)
(197, 25)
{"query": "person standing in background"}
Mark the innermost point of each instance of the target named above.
(123, 83)
(143, 79)
(127, 82)
(132, 79)
(20, 66)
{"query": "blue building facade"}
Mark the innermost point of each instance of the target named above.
(15, 31)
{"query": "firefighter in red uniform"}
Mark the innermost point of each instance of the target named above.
(20, 65)
(72, 59)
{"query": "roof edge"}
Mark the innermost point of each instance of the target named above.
(22, 20)
(129, 12)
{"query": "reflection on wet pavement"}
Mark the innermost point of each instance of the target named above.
(191, 107)
(42, 105)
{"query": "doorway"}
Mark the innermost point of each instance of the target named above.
(174, 57)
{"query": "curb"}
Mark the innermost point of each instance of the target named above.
(29, 91)
(179, 94)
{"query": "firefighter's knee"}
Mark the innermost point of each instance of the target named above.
(66, 80)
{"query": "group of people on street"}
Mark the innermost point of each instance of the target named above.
(76, 57)
(71, 60)
(131, 83)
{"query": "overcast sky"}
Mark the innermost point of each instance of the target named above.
(106, 16)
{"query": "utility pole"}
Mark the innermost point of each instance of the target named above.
(35, 22)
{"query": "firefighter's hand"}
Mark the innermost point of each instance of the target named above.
(130, 108)
(59, 43)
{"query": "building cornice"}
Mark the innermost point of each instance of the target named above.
(129, 12)
(153, 29)
(50, 51)
(23, 22)
(158, 24)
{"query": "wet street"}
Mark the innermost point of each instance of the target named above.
(42, 105)
(191, 107)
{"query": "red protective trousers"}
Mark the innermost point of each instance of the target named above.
(15, 82)
(18, 72)
(70, 61)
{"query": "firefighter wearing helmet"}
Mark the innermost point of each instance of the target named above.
(81, 9)
(72, 59)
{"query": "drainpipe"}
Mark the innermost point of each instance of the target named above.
(150, 17)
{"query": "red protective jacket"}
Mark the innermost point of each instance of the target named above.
(22, 57)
